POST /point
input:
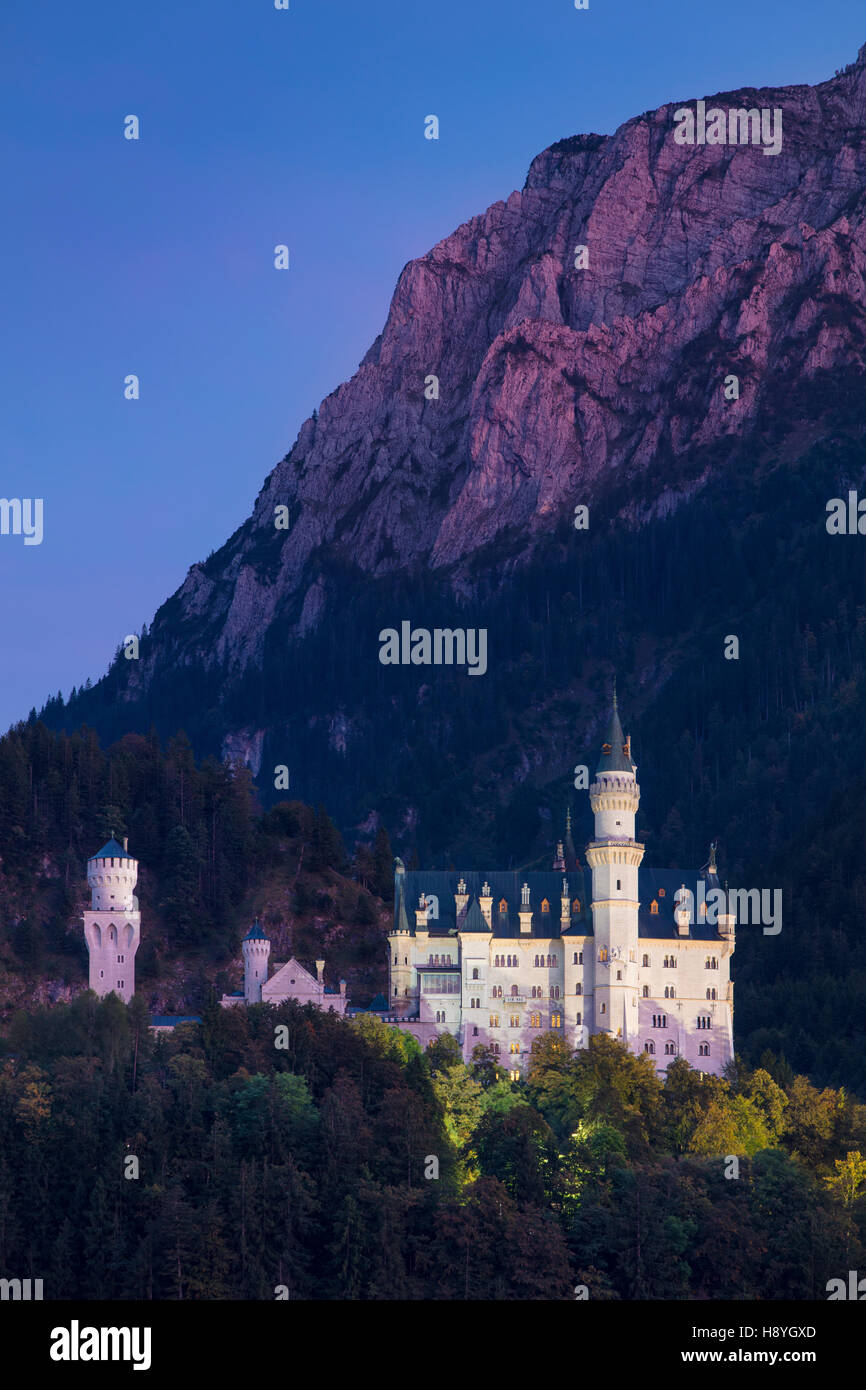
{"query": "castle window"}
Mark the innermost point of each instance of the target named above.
(654, 908)
(670, 992)
(670, 1050)
(405, 960)
(556, 1020)
(395, 989)
(514, 1074)
(514, 1049)
(646, 960)
(618, 884)
(704, 1050)
(649, 1047)
(660, 1020)
(535, 1021)
(602, 1008)
(514, 1021)
(494, 1020)
(555, 962)
(619, 974)
(646, 991)
(395, 960)
(496, 1048)
(661, 892)
(545, 905)
(704, 1021)
(578, 989)
(575, 906)
(503, 905)
(475, 973)
(554, 991)
(514, 991)
(578, 1019)
(602, 955)
(475, 1031)
(711, 994)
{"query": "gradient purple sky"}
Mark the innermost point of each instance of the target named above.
(257, 127)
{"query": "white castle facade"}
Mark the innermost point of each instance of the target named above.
(497, 959)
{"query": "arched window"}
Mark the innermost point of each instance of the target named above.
(670, 1050)
(475, 973)
(646, 991)
(556, 1020)
(578, 1018)
(646, 960)
(514, 991)
(661, 892)
(649, 1047)
(711, 994)
(535, 1021)
(602, 1008)
(670, 992)
(554, 991)
(555, 961)
(578, 989)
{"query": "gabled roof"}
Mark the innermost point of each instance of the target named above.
(292, 970)
(111, 850)
(473, 920)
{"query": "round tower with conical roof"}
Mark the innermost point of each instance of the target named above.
(256, 947)
(112, 926)
(614, 856)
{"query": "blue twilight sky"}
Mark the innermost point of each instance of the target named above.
(258, 127)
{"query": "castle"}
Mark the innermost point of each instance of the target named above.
(112, 930)
(289, 981)
(112, 926)
(496, 958)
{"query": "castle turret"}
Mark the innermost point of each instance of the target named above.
(256, 948)
(614, 856)
(400, 945)
(112, 926)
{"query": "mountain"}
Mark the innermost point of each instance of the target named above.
(557, 387)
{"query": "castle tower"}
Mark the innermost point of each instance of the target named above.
(400, 970)
(614, 857)
(112, 926)
(256, 947)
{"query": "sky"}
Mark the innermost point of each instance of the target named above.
(155, 257)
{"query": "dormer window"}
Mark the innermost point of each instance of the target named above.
(661, 892)
(503, 906)
(575, 906)
(606, 750)
(654, 908)
(545, 905)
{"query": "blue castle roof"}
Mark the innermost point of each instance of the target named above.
(111, 850)
(256, 933)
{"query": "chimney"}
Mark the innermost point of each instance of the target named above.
(320, 971)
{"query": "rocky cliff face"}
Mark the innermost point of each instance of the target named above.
(703, 261)
(602, 385)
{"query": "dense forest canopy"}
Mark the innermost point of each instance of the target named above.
(287, 1152)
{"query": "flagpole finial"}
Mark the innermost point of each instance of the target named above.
(614, 693)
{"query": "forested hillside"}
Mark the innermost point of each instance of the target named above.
(347, 1165)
